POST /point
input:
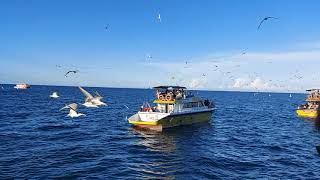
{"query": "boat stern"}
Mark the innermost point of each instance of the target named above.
(145, 120)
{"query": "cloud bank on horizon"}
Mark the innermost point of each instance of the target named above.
(291, 70)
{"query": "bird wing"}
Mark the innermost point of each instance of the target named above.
(73, 106)
(261, 23)
(85, 93)
(98, 95)
(270, 17)
(67, 73)
(66, 106)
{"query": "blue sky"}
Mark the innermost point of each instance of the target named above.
(282, 56)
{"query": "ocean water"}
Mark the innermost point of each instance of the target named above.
(248, 137)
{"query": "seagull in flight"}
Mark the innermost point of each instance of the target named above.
(107, 26)
(92, 101)
(265, 19)
(159, 17)
(54, 95)
(73, 110)
(73, 71)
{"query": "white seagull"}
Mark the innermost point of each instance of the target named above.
(159, 17)
(54, 95)
(73, 110)
(92, 101)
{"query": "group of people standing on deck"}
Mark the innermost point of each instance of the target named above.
(170, 95)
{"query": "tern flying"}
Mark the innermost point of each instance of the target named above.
(107, 26)
(73, 110)
(265, 19)
(92, 101)
(75, 71)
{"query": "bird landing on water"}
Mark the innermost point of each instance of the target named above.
(54, 95)
(73, 110)
(92, 101)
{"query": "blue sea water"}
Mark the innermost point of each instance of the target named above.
(248, 137)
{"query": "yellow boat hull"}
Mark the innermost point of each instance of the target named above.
(307, 113)
(174, 121)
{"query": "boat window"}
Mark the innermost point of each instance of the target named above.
(201, 103)
(187, 105)
(161, 108)
(170, 108)
(194, 104)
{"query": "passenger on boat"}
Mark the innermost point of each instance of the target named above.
(178, 94)
(208, 103)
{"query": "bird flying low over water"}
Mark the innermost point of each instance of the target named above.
(54, 95)
(73, 110)
(92, 101)
(265, 19)
(74, 71)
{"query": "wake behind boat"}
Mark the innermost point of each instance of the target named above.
(174, 107)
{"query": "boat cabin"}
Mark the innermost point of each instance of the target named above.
(172, 99)
(313, 99)
(170, 93)
(314, 95)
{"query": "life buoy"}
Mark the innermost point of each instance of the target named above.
(161, 97)
(146, 109)
(168, 97)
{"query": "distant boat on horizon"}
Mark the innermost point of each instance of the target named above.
(22, 86)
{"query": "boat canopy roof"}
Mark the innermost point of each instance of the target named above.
(169, 87)
(309, 90)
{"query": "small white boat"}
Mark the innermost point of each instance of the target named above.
(54, 95)
(22, 86)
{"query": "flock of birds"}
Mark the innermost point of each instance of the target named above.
(216, 67)
(90, 102)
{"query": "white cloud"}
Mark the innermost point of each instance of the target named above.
(197, 83)
(254, 70)
(256, 84)
(259, 84)
(240, 83)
